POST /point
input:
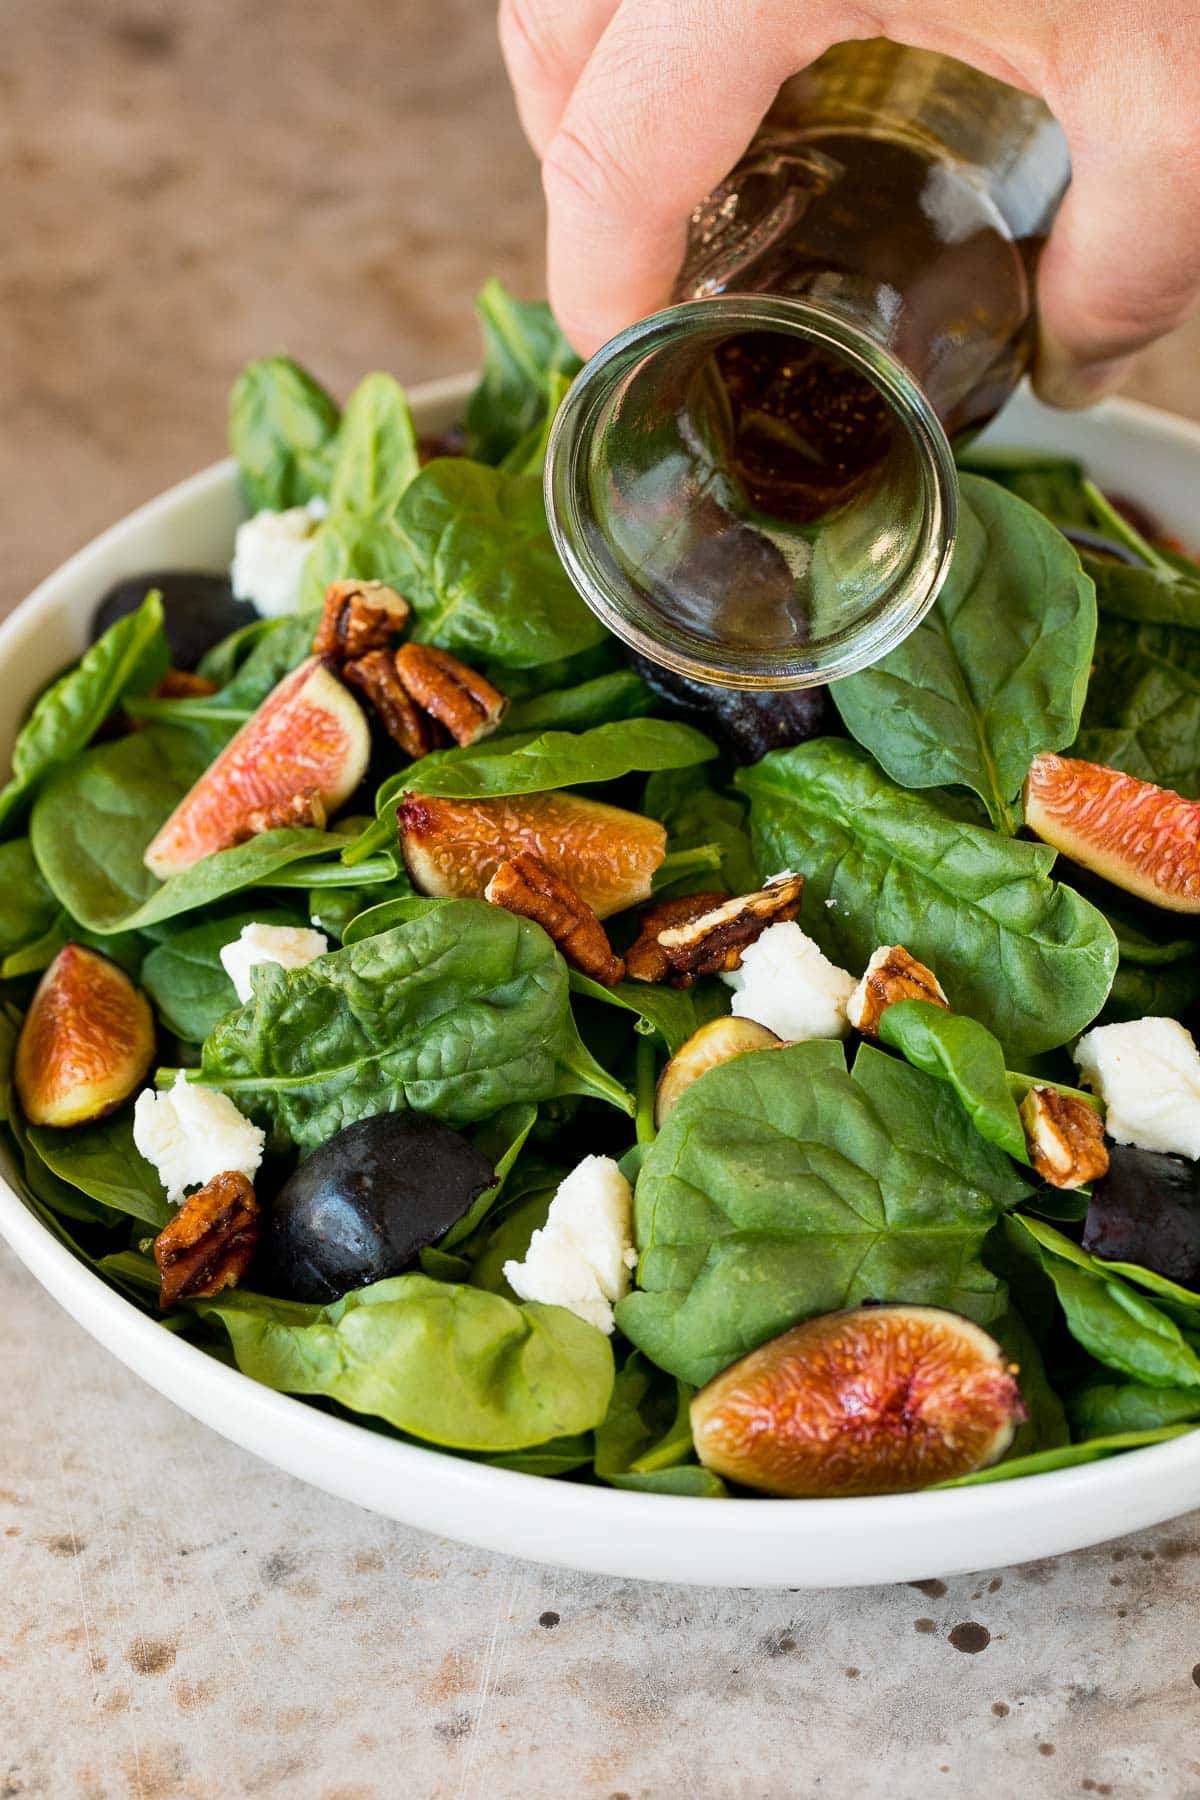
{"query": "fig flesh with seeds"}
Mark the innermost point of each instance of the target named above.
(1144, 839)
(717, 1042)
(873, 1400)
(86, 1043)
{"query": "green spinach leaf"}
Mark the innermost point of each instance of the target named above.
(1106, 1408)
(457, 1013)
(694, 814)
(995, 672)
(559, 759)
(618, 695)
(964, 1053)
(283, 431)
(1027, 956)
(28, 909)
(524, 351)
(1067, 1456)
(446, 1363)
(102, 1162)
(1052, 483)
(186, 979)
(673, 1013)
(782, 1186)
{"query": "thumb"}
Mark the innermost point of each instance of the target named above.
(1123, 263)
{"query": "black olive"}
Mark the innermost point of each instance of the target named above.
(748, 721)
(362, 1205)
(1146, 1210)
(198, 610)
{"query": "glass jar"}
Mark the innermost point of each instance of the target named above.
(756, 486)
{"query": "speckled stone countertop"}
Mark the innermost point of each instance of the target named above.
(182, 187)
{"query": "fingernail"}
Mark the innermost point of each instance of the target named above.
(1060, 380)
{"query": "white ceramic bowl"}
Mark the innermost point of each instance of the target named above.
(733, 1543)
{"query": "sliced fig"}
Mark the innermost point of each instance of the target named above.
(452, 848)
(87, 1041)
(877, 1400)
(1144, 839)
(717, 1042)
(309, 737)
(198, 610)
(1146, 1210)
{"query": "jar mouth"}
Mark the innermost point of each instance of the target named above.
(589, 506)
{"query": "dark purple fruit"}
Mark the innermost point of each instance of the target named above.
(750, 723)
(366, 1202)
(198, 610)
(1146, 1210)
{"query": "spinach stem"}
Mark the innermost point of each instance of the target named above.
(333, 874)
(373, 837)
(183, 712)
(698, 860)
(1127, 534)
(644, 1084)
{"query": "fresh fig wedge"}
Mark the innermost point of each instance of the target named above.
(309, 736)
(1146, 1210)
(452, 848)
(1144, 839)
(87, 1041)
(717, 1042)
(877, 1400)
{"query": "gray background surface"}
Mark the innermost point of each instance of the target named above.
(183, 187)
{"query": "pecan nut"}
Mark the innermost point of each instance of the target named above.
(209, 1243)
(713, 941)
(526, 886)
(459, 697)
(1065, 1138)
(891, 975)
(359, 616)
(304, 808)
(375, 676)
(184, 684)
(646, 960)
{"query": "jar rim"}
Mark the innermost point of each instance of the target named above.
(614, 599)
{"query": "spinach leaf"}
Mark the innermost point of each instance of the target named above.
(28, 909)
(782, 1186)
(1066, 1456)
(528, 456)
(456, 1013)
(618, 695)
(1052, 483)
(510, 1234)
(1139, 992)
(92, 821)
(396, 910)
(102, 1162)
(1027, 956)
(501, 1139)
(185, 978)
(558, 759)
(446, 1363)
(964, 1053)
(130, 657)
(283, 431)
(694, 814)
(995, 672)
(523, 351)
(333, 910)
(1115, 1324)
(276, 651)
(1102, 1409)
(688, 1480)
(1146, 596)
(674, 1013)
(220, 664)
(1142, 712)
(647, 1427)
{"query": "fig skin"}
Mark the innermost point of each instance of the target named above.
(361, 1207)
(749, 722)
(874, 1400)
(309, 736)
(1144, 839)
(86, 1043)
(198, 610)
(717, 1042)
(1146, 1210)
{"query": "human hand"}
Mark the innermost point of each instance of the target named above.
(637, 108)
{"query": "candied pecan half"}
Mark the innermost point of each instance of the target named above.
(464, 701)
(184, 684)
(208, 1244)
(359, 616)
(1065, 1138)
(646, 960)
(713, 941)
(375, 676)
(304, 808)
(526, 886)
(891, 975)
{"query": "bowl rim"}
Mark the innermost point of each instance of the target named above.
(170, 1363)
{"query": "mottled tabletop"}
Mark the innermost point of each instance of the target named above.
(183, 187)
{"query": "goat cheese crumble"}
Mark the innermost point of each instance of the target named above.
(1147, 1072)
(269, 554)
(582, 1257)
(291, 946)
(786, 984)
(191, 1133)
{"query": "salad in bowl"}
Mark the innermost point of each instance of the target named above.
(533, 1056)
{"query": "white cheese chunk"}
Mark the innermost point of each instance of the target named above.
(291, 946)
(786, 984)
(269, 555)
(191, 1133)
(1147, 1072)
(582, 1256)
